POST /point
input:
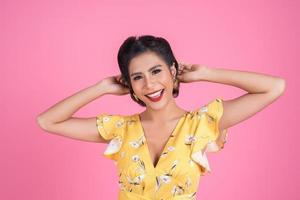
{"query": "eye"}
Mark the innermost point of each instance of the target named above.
(156, 71)
(136, 78)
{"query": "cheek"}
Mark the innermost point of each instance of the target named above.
(166, 80)
(136, 86)
(163, 76)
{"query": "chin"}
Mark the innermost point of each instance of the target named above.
(157, 105)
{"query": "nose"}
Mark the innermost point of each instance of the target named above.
(149, 82)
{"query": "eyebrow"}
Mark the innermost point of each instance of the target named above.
(148, 70)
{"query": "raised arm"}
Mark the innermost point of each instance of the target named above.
(59, 118)
(261, 90)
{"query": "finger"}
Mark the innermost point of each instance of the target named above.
(180, 66)
(186, 64)
(181, 63)
(183, 68)
(180, 78)
(185, 71)
(180, 71)
(119, 77)
(119, 80)
(116, 77)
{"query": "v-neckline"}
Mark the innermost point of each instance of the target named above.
(173, 133)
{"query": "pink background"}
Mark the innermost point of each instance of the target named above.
(52, 49)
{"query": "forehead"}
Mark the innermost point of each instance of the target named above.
(144, 61)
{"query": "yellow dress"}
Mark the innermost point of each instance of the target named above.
(177, 173)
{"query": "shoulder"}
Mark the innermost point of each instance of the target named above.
(206, 114)
(115, 121)
(111, 125)
(108, 117)
(213, 108)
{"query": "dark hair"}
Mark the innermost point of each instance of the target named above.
(136, 45)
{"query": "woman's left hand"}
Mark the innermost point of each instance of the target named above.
(190, 72)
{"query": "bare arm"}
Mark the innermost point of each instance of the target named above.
(262, 90)
(58, 118)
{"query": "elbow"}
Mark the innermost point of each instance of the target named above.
(279, 87)
(41, 123)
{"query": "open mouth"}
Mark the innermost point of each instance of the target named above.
(156, 96)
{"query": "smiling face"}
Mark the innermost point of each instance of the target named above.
(148, 74)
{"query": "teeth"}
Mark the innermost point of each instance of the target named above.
(156, 94)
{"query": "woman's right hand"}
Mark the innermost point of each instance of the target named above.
(114, 85)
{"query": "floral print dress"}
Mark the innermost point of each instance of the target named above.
(182, 162)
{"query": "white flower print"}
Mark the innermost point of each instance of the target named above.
(173, 166)
(171, 148)
(164, 154)
(177, 190)
(119, 124)
(138, 143)
(157, 184)
(188, 182)
(165, 179)
(142, 139)
(174, 163)
(137, 180)
(189, 139)
(106, 119)
(140, 169)
(210, 119)
(142, 165)
(121, 185)
(135, 158)
(203, 109)
(134, 144)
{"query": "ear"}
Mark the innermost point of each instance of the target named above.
(173, 70)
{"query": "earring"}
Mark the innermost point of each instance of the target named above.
(175, 82)
(134, 95)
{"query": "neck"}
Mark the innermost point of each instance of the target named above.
(169, 112)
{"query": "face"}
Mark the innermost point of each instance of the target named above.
(148, 74)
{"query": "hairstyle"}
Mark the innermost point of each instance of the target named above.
(136, 45)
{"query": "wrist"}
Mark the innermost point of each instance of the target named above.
(100, 88)
(204, 73)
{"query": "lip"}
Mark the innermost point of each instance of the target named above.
(157, 98)
(153, 92)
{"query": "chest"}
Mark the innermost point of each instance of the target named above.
(157, 137)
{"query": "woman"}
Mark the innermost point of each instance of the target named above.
(161, 152)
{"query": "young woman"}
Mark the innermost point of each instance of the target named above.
(161, 152)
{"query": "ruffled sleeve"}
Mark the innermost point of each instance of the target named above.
(111, 127)
(207, 136)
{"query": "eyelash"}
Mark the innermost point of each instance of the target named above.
(158, 70)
